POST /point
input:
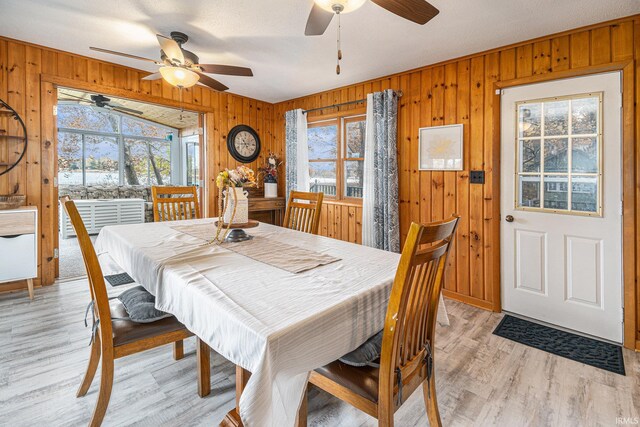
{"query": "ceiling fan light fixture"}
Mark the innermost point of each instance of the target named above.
(343, 6)
(179, 77)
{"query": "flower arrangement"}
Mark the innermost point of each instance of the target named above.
(241, 176)
(270, 170)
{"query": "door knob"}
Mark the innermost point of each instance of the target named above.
(509, 218)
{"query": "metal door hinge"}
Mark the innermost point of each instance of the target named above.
(621, 211)
(55, 182)
(200, 131)
(498, 92)
(56, 253)
(622, 315)
(55, 110)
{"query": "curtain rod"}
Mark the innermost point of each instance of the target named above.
(357, 101)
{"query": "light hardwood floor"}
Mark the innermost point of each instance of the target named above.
(482, 379)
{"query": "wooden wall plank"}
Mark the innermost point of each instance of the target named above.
(580, 49)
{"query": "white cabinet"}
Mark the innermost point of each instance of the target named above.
(98, 213)
(19, 245)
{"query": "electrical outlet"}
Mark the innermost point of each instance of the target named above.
(476, 177)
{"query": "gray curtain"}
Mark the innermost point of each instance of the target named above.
(380, 217)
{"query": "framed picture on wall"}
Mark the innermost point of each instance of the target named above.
(441, 148)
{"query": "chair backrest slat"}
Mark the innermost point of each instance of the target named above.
(413, 304)
(175, 203)
(97, 287)
(303, 211)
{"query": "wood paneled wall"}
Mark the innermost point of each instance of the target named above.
(24, 66)
(462, 91)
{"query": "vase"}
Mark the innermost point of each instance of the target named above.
(270, 189)
(242, 206)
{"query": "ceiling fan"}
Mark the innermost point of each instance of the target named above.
(182, 68)
(323, 11)
(103, 102)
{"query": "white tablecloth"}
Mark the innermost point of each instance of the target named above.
(276, 324)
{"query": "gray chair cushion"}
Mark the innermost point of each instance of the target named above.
(140, 305)
(366, 354)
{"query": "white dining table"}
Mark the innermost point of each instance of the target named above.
(275, 324)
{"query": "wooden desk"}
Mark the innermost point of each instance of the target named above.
(269, 210)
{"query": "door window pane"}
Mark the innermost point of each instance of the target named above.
(101, 160)
(529, 120)
(355, 132)
(584, 115)
(556, 191)
(530, 155)
(529, 191)
(584, 193)
(584, 155)
(354, 176)
(555, 155)
(556, 118)
(193, 163)
(322, 141)
(70, 158)
(323, 177)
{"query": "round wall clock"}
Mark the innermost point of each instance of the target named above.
(243, 143)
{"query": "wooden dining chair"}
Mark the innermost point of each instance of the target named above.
(116, 336)
(303, 211)
(175, 203)
(406, 357)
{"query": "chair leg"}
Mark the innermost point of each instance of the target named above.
(302, 412)
(431, 402)
(178, 350)
(92, 365)
(203, 353)
(106, 382)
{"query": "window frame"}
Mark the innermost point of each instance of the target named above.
(120, 137)
(340, 119)
(569, 174)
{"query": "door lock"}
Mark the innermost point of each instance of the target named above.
(509, 218)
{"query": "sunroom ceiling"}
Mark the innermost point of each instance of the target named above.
(171, 117)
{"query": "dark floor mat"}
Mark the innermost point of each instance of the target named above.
(119, 279)
(561, 343)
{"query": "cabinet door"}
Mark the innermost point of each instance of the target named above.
(17, 257)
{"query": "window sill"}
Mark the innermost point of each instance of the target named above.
(342, 202)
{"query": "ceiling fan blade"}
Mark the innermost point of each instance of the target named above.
(228, 70)
(319, 20)
(122, 109)
(126, 55)
(171, 48)
(154, 76)
(418, 11)
(212, 83)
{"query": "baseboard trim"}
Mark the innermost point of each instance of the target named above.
(476, 302)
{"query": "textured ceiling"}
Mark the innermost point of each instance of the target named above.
(267, 35)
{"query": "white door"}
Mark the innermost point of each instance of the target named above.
(561, 223)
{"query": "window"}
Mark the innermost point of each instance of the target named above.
(336, 156)
(192, 160)
(559, 142)
(97, 146)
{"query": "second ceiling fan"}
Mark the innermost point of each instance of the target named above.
(182, 68)
(323, 11)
